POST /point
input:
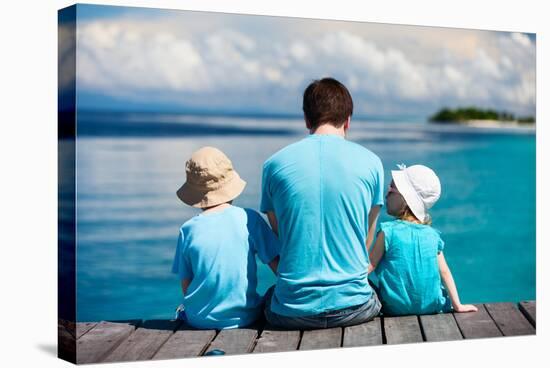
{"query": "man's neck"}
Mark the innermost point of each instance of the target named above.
(328, 129)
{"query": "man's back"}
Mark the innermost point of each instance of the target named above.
(321, 189)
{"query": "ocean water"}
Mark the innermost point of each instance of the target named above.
(129, 167)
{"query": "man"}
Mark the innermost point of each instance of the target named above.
(322, 196)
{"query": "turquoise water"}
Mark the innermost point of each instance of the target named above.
(128, 215)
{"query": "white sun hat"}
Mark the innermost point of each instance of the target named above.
(420, 187)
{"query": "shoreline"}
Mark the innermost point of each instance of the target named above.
(490, 124)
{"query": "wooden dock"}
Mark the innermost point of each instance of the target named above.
(93, 342)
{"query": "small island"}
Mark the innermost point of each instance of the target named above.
(478, 117)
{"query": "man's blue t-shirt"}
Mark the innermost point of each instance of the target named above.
(216, 251)
(408, 273)
(321, 190)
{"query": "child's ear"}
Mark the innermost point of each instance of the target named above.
(346, 124)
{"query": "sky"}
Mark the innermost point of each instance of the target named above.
(173, 60)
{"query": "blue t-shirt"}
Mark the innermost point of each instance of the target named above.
(321, 190)
(408, 273)
(216, 251)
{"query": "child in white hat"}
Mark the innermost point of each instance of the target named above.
(408, 252)
(216, 253)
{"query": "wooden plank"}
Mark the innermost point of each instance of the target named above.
(76, 329)
(509, 319)
(185, 342)
(440, 327)
(234, 341)
(70, 326)
(83, 327)
(529, 310)
(321, 339)
(273, 340)
(475, 325)
(144, 342)
(66, 342)
(365, 334)
(102, 339)
(400, 330)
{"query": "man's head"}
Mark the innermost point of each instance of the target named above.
(327, 101)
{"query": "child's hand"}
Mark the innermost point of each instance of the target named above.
(465, 308)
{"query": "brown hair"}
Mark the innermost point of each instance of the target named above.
(408, 215)
(327, 101)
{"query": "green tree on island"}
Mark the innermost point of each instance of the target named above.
(466, 114)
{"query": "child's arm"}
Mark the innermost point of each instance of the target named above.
(377, 251)
(449, 282)
(184, 285)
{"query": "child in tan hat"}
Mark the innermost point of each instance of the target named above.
(408, 253)
(215, 255)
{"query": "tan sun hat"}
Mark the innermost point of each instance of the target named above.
(211, 179)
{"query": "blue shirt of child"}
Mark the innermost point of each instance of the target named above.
(321, 190)
(216, 251)
(408, 273)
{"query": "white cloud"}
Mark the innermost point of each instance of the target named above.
(521, 39)
(353, 49)
(299, 51)
(452, 74)
(485, 65)
(66, 51)
(113, 58)
(272, 74)
(242, 60)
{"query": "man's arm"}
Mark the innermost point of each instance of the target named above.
(274, 264)
(377, 251)
(373, 219)
(273, 222)
(184, 285)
